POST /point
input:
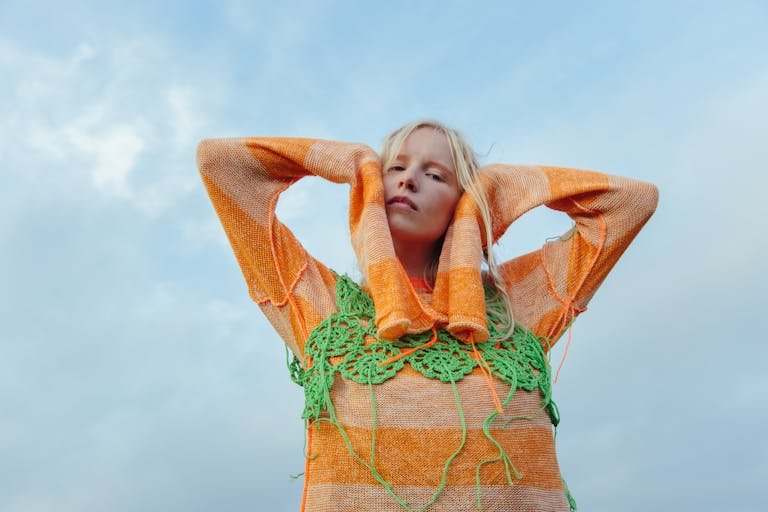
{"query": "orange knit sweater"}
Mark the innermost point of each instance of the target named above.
(415, 440)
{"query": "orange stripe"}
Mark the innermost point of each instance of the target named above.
(467, 301)
(283, 157)
(486, 374)
(394, 299)
(603, 234)
(252, 251)
(416, 457)
(570, 308)
(288, 289)
(563, 182)
(369, 498)
(306, 468)
(400, 403)
(307, 315)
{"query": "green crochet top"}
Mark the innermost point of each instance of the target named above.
(519, 361)
(346, 343)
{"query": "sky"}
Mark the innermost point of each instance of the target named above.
(135, 372)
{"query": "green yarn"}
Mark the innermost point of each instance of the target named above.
(509, 468)
(352, 299)
(444, 476)
(295, 371)
(565, 236)
(373, 423)
(317, 385)
(361, 364)
(414, 340)
(571, 501)
(446, 362)
(554, 413)
(519, 360)
(346, 343)
(336, 335)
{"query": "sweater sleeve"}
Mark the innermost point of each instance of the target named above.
(551, 286)
(244, 178)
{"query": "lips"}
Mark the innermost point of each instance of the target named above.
(403, 200)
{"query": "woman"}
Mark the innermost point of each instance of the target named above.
(428, 388)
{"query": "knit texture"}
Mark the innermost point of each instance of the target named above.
(414, 433)
(346, 343)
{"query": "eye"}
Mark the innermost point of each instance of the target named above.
(435, 176)
(396, 168)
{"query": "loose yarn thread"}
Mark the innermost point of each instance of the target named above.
(349, 334)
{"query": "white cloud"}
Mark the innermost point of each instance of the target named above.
(112, 154)
(134, 336)
(90, 147)
(106, 124)
(116, 155)
(186, 122)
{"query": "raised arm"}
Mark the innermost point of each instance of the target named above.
(551, 286)
(244, 178)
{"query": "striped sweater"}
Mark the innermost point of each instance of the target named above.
(415, 400)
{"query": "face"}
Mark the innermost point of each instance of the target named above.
(421, 188)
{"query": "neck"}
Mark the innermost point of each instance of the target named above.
(414, 256)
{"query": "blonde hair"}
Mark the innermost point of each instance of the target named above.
(467, 168)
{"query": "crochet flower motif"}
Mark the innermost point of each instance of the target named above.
(362, 364)
(449, 362)
(335, 336)
(346, 343)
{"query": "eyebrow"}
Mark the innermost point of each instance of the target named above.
(435, 163)
(441, 166)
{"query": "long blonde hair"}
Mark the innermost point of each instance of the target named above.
(467, 168)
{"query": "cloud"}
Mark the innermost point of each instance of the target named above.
(186, 122)
(131, 351)
(144, 378)
(654, 357)
(104, 124)
(110, 151)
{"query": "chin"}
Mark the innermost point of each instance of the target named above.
(407, 232)
(413, 236)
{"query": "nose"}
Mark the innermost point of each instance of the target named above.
(407, 180)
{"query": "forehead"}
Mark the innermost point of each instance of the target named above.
(429, 144)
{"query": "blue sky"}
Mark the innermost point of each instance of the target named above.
(135, 373)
